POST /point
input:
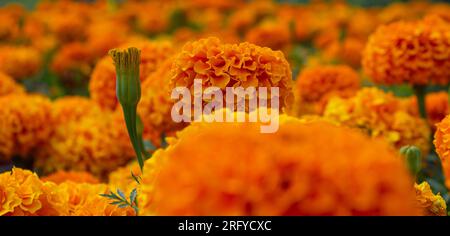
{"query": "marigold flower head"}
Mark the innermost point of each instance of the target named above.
(79, 199)
(90, 144)
(72, 58)
(20, 192)
(9, 86)
(62, 176)
(73, 108)
(102, 85)
(316, 85)
(431, 204)
(156, 105)
(287, 177)
(380, 115)
(24, 125)
(442, 144)
(122, 179)
(409, 52)
(232, 65)
(274, 35)
(437, 107)
(19, 61)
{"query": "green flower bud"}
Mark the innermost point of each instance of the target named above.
(413, 158)
(128, 92)
(128, 87)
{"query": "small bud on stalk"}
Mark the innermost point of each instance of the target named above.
(128, 92)
(413, 158)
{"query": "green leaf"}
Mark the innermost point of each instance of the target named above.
(124, 205)
(121, 194)
(133, 195)
(136, 178)
(116, 202)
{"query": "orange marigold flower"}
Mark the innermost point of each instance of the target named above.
(20, 193)
(8, 85)
(437, 107)
(62, 176)
(79, 199)
(431, 204)
(24, 123)
(73, 59)
(382, 115)
(274, 35)
(442, 145)
(409, 52)
(232, 65)
(19, 61)
(350, 51)
(102, 85)
(156, 105)
(316, 85)
(91, 144)
(122, 179)
(287, 177)
(73, 108)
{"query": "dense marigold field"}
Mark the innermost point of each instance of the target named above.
(359, 94)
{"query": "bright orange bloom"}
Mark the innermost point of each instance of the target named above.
(24, 124)
(409, 52)
(432, 204)
(20, 193)
(19, 61)
(437, 107)
(62, 176)
(381, 115)
(316, 85)
(8, 85)
(274, 35)
(232, 65)
(91, 144)
(73, 108)
(156, 105)
(294, 175)
(73, 59)
(442, 145)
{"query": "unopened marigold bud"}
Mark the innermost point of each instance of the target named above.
(128, 92)
(413, 158)
(128, 86)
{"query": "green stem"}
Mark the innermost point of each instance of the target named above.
(420, 92)
(130, 120)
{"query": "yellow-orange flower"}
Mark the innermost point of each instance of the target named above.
(232, 65)
(91, 144)
(316, 85)
(24, 124)
(8, 85)
(437, 107)
(73, 59)
(19, 61)
(62, 176)
(122, 179)
(274, 35)
(156, 105)
(380, 114)
(102, 86)
(409, 52)
(73, 108)
(431, 204)
(294, 175)
(20, 192)
(79, 199)
(442, 145)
